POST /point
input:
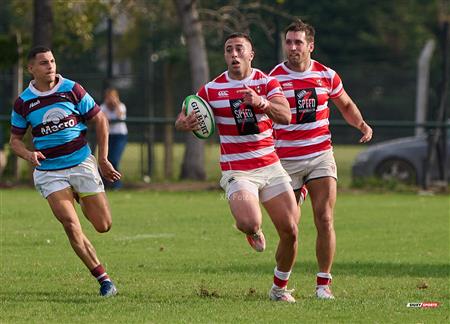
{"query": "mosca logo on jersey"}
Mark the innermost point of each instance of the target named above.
(55, 120)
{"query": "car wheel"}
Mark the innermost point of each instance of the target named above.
(397, 169)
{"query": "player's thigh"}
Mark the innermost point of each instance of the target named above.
(61, 204)
(283, 211)
(244, 206)
(96, 209)
(323, 194)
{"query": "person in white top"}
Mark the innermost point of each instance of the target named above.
(304, 146)
(115, 110)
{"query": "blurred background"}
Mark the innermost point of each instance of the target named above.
(154, 53)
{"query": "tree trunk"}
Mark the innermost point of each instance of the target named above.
(168, 113)
(194, 156)
(42, 23)
(13, 160)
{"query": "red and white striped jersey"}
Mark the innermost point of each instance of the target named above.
(308, 134)
(245, 132)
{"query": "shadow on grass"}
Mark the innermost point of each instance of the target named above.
(370, 269)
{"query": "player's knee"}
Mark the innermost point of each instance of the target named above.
(325, 223)
(103, 227)
(72, 229)
(289, 232)
(248, 227)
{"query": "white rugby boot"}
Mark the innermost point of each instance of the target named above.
(281, 294)
(324, 292)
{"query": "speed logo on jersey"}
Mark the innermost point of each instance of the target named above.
(306, 104)
(245, 117)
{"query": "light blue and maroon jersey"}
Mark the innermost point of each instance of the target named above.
(58, 122)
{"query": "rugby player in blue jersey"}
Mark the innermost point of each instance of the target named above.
(57, 110)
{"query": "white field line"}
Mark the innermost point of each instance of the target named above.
(144, 236)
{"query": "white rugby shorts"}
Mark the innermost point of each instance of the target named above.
(83, 178)
(302, 171)
(264, 183)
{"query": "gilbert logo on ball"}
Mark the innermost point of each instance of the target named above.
(204, 114)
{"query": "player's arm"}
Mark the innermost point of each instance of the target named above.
(18, 146)
(353, 116)
(101, 128)
(277, 108)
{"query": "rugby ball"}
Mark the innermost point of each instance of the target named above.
(204, 114)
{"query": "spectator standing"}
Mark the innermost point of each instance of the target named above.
(115, 110)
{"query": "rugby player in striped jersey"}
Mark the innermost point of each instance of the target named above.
(304, 146)
(245, 101)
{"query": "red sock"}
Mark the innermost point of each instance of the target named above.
(280, 278)
(323, 279)
(100, 274)
(279, 282)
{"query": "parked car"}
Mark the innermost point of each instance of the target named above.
(402, 159)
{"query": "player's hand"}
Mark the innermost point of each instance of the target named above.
(107, 170)
(250, 97)
(34, 157)
(186, 123)
(367, 133)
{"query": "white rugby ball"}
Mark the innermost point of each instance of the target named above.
(204, 114)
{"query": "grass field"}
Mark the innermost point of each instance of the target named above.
(176, 258)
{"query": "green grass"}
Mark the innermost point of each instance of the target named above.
(176, 258)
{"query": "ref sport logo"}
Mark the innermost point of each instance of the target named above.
(423, 305)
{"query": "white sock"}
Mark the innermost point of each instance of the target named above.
(324, 275)
(281, 275)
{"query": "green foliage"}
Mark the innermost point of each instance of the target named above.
(8, 54)
(176, 258)
(381, 185)
(75, 23)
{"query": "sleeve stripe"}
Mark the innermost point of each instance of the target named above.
(92, 112)
(18, 131)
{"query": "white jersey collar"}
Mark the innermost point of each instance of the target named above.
(243, 81)
(284, 66)
(46, 93)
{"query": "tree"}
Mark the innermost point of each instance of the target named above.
(43, 23)
(193, 160)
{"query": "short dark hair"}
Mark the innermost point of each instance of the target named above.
(300, 26)
(36, 50)
(240, 35)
